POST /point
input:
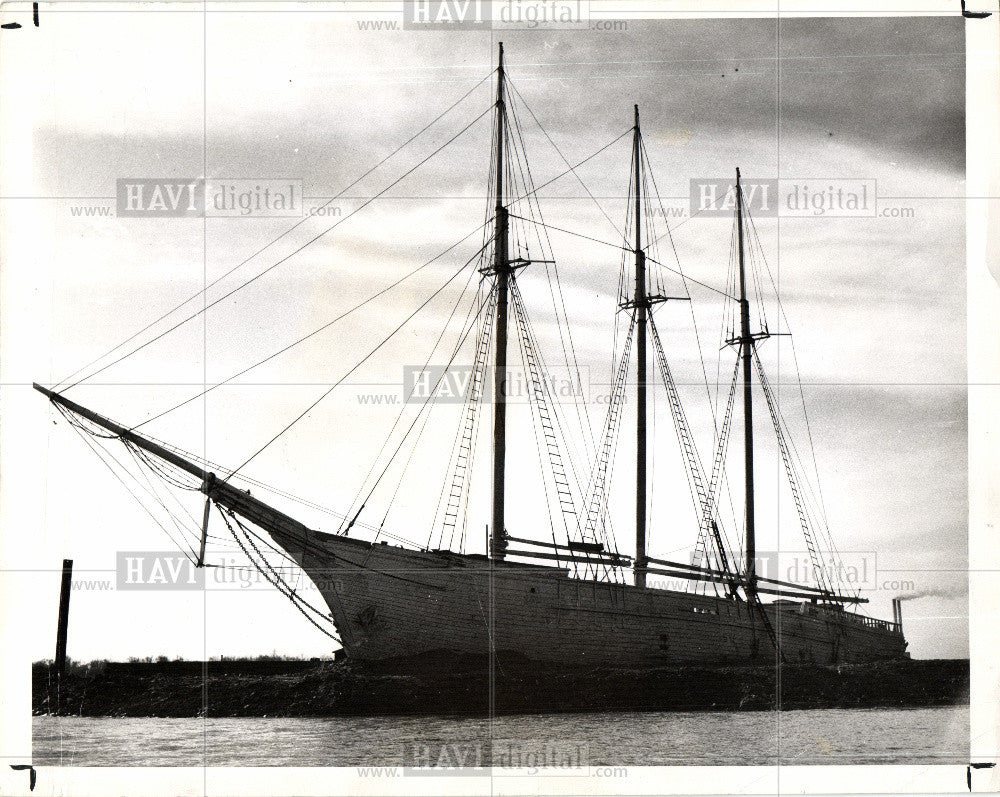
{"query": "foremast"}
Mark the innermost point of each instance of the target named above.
(503, 273)
(640, 304)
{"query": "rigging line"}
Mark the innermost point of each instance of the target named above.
(284, 259)
(798, 373)
(814, 506)
(560, 425)
(182, 530)
(607, 528)
(727, 331)
(806, 511)
(307, 547)
(820, 524)
(355, 367)
(815, 553)
(275, 240)
(709, 206)
(546, 246)
(596, 498)
(420, 433)
(525, 329)
(467, 326)
(719, 450)
(530, 344)
(556, 148)
(754, 253)
(315, 332)
(278, 581)
(694, 321)
(538, 444)
(477, 424)
(694, 468)
(570, 232)
(70, 418)
(453, 465)
(289, 591)
(563, 174)
(89, 427)
(472, 417)
(402, 411)
(169, 473)
(689, 278)
(303, 540)
(724, 325)
(138, 455)
(93, 447)
(208, 464)
(292, 595)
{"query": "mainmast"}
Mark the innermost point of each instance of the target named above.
(641, 304)
(501, 267)
(746, 352)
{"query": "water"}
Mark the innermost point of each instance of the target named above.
(828, 736)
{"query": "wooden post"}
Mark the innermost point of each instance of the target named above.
(67, 575)
(61, 629)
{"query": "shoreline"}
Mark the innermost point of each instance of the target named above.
(292, 688)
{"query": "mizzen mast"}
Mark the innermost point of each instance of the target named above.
(641, 304)
(502, 270)
(746, 342)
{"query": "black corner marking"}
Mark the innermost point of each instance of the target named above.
(974, 14)
(16, 25)
(982, 765)
(32, 774)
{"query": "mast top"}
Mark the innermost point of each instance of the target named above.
(500, 62)
(636, 106)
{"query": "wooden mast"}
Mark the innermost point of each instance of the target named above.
(501, 267)
(746, 352)
(641, 304)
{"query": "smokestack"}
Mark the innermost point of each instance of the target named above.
(897, 611)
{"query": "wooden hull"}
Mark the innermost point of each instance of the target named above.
(390, 602)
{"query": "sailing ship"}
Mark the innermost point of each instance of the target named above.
(578, 600)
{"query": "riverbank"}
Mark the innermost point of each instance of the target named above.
(235, 688)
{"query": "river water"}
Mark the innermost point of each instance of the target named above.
(828, 736)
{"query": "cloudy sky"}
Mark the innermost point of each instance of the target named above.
(877, 305)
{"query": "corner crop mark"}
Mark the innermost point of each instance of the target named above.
(985, 765)
(16, 25)
(974, 14)
(32, 774)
